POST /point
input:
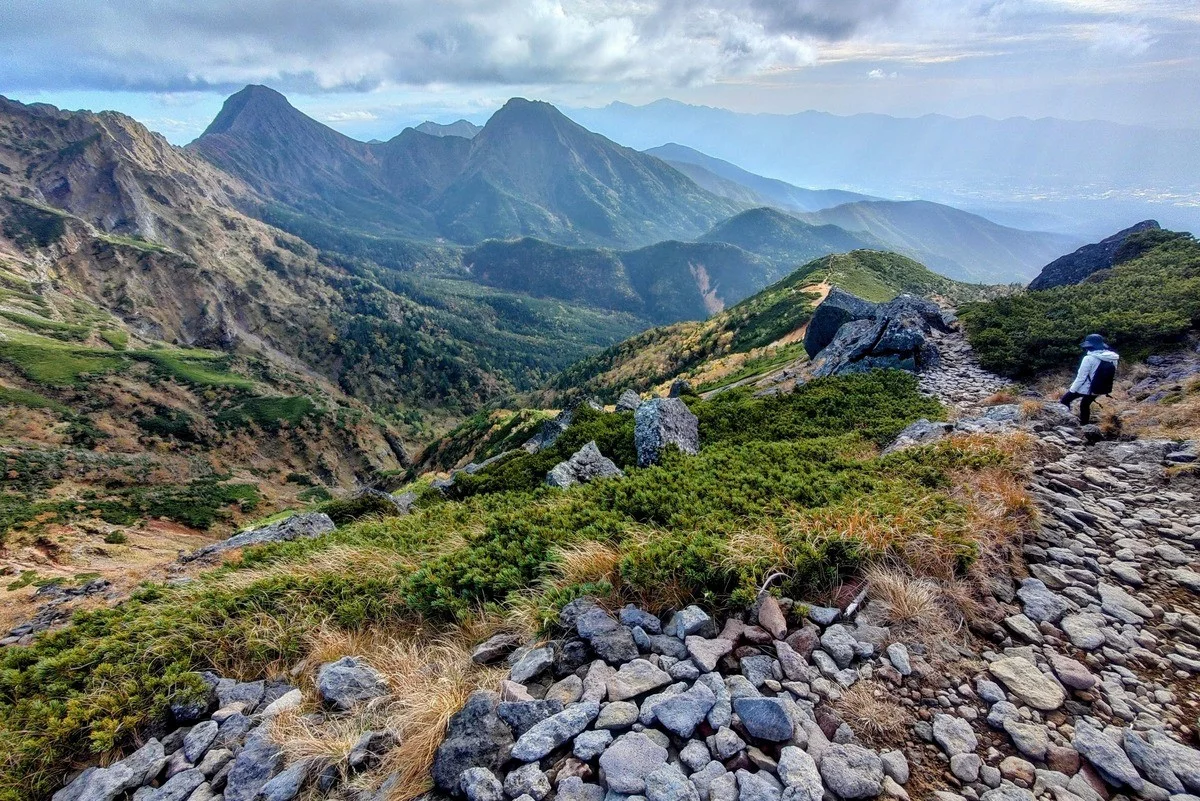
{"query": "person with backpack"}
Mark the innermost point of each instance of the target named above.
(1095, 376)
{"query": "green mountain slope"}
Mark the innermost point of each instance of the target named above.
(784, 239)
(1149, 300)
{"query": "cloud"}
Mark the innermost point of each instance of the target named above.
(1120, 39)
(349, 116)
(880, 75)
(362, 45)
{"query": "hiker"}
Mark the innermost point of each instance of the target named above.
(1095, 376)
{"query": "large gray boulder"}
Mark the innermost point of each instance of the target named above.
(897, 336)
(105, 784)
(629, 401)
(475, 738)
(348, 682)
(586, 465)
(305, 526)
(838, 308)
(661, 423)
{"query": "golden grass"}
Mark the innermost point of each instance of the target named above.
(429, 677)
(758, 552)
(869, 709)
(583, 562)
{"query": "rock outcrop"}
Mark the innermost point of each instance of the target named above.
(661, 423)
(303, 526)
(585, 466)
(838, 308)
(897, 335)
(1074, 268)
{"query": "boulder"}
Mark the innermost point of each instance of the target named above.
(254, 766)
(661, 423)
(896, 336)
(585, 465)
(838, 308)
(476, 737)
(544, 737)
(348, 682)
(303, 526)
(105, 784)
(629, 401)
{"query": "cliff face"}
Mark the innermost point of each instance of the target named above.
(1073, 268)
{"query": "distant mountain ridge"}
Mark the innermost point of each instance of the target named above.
(529, 171)
(462, 128)
(1076, 267)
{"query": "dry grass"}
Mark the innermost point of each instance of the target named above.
(869, 709)
(429, 677)
(914, 607)
(758, 552)
(586, 561)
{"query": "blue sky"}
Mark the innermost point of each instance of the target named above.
(371, 67)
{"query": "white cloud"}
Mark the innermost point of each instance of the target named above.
(349, 116)
(880, 75)
(1120, 39)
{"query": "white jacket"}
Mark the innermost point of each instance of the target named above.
(1087, 368)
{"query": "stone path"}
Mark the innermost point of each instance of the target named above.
(958, 380)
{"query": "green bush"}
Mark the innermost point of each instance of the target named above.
(348, 510)
(268, 414)
(1144, 304)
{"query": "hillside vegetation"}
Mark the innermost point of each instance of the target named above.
(1149, 300)
(788, 483)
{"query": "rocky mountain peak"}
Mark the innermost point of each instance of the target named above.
(245, 109)
(1075, 267)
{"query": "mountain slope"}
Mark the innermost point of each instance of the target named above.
(529, 171)
(958, 244)
(461, 128)
(1076, 267)
(769, 191)
(784, 239)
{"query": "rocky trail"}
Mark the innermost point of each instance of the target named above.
(1079, 681)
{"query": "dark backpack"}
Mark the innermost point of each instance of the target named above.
(1102, 379)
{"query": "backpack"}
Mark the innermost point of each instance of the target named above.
(1102, 379)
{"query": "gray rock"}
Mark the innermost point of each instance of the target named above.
(532, 664)
(554, 731)
(199, 740)
(1122, 605)
(1031, 739)
(1153, 763)
(660, 423)
(703, 778)
(798, 769)
(760, 786)
(694, 755)
(591, 744)
(476, 737)
(248, 693)
(1008, 792)
(726, 743)
(896, 337)
(838, 308)
(965, 767)
(527, 780)
(839, 644)
(953, 735)
(568, 690)
(629, 760)
(253, 767)
(480, 784)
(765, 718)
(1107, 757)
(629, 401)
(1041, 604)
(287, 784)
(369, 749)
(795, 668)
(188, 708)
(895, 766)
(681, 714)
(302, 526)
(757, 669)
(615, 647)
(667, 783)
(214, 760)
(1028, 683)
(897, 654)
(989, 691)
(722, 712)
(635, 678)
(1184, 761)
(707, 653)
(179, 787)
(1083, 630)
(585, 466)
(573, 788)
(348, 682)
(632, 616)
(496, 648)
(521, 716)
(723, 788)
(289, 700)
(851, 771)
(691, 620)
(617, 715)
(922, 432)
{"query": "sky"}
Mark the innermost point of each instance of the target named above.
(371, 67)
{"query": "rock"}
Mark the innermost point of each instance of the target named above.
(723, 788)
(1153, 763)
(292, 699)
(253, 767)
(188, 708)
(198, 740)
(704, 778)
(629, 401)
(573, 788)
(105, 784)
(1016, 769)
(797, 769)
(554, 731)
(895, 766)
(1083, 630)
(521, 716)
(922, 432)
(726, 743)
(897, 654)
(1122, 605)
(1075, 267)
(1106, 757)
(757, 669)
(635, 678)
(667, 783)
(681, 714)
(369, 749)
(633, 617)
(765, 718)
(1071, 673)
(617, 715)
(1031, 739)
(707, 653)
(839, 644)
(793, 665)
(694, 755)
(527, 780)
(1024, 628)
(953, 735)
(568, 690)
(838, 308)
(247, 693)
(496, 648)
(629, 760)
(1028, 683)
(1042, 605)
(287, 784)
(476, 737)
(851, 771)
(759, 786)
(348, 682)
(532, 664)
(661, 423)
(615, 647)
(480, 784)
(896, 336)
(179, 787)
(591, 744)
(301, 526)
(771, 617)
(1184, 761)
(585, 466)
(965, 767)
(1007, 793)
(214, 760)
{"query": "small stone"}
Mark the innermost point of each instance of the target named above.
(694, 755)
(617, 715)
(527, 780)
(797, 769)
(760, 786)
(1071, 673)
(1108, 758)
(965, 767)
(574, 788)
(521, 716)
(199, 740)
(480, 784)
(635, 678)
(532, 664)
(851, 771)
(629, 760)
(496, 648)
(552, 732)
(771, 617)
(953, 735)
(567, 691)
(895, 765)
(591, 744)
(667, 783)
(897, 654)
(726, 743)
(764, 718)
(839, 644)
(1028, 683)
(707, 653)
